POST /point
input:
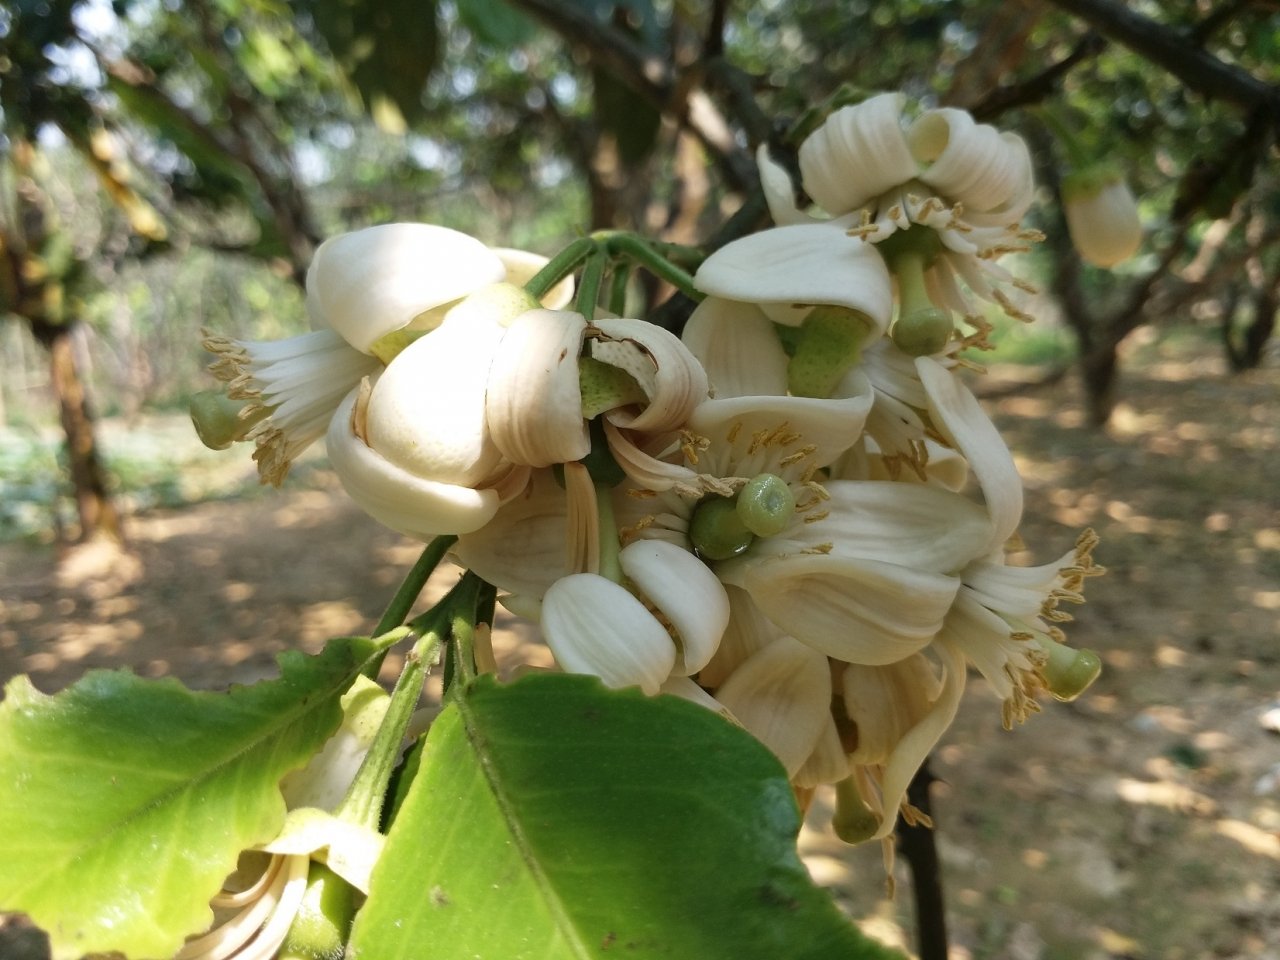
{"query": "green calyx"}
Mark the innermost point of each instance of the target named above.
(218, 421)
(1068, 672)
(828, 344)
(922, 327)
(320, 928)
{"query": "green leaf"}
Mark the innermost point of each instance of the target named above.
(552, 818)
(127, 801)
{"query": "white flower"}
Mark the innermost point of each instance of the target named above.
(940, 198)
(1102, 216)
(412, 446)
(369, 294)
(255, 910)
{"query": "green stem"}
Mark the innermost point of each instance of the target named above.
(462, 627)
(407, 594)
(618, 289)
(363, 802)
(610, 564)
(922, 327)
(560, 266)
(678, 253)
(643, 253)
(589, 285)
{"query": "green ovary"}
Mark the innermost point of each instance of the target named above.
(766, 505)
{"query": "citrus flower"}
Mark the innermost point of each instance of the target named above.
(368, 293)
(939, 198)
(257, 908)
(1102, 216)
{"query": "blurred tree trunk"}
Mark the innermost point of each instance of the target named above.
(94, 506)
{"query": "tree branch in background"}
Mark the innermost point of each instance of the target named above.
(1039, 87)
(919, 848)
(1171, 50)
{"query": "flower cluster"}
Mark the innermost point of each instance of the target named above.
(796, 513)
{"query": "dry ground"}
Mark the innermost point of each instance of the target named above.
(1143, 821)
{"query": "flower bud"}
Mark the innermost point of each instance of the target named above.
(1102, 216)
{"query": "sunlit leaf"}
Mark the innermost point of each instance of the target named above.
(126, 801)
(552, 818)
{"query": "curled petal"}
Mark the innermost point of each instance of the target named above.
(642, 468)
(667, 372)
(426, 412)
(368, 283)
(968, 162)
(782, 695)
(738, 347)
(594, 626)
(534, 405)
(856, 610)
(684, 591)
(806, 264)
(686, 689)
(397, 498)
(963, 423)
(1103, 222)
(349, 849)
(857, 154)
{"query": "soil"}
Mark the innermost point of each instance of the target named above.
(1141, 821)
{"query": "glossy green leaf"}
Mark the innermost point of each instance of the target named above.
(127, 801)
(552, 818)
(495, 22)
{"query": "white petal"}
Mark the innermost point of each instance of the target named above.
(779, 193)
(686, 689)
(393, 496)
(807, 264)
(916, 745)
(747, 632)
(857, 154)
(534, 405)
(752, 435)
(908, 524)
(782, 695)
(594, 626)
(522, 266)
(885, 702)
(962, 422)
(368, 283)
(427, 411)
(523, 549)
(827, 764)
(738, 347)
(671, 377)
(323, 782)
(685, 592)
(856, 610)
